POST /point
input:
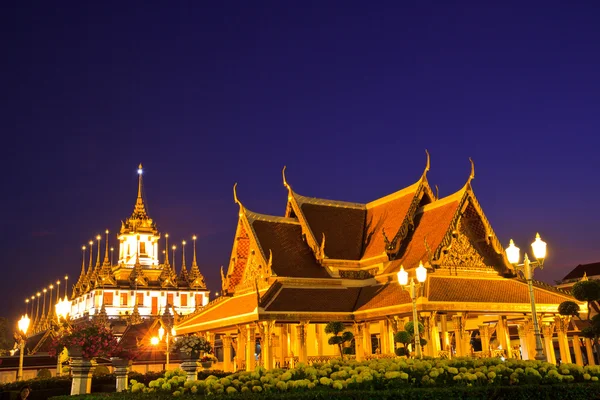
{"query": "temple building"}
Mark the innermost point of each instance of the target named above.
(326, 260)
(138, 285)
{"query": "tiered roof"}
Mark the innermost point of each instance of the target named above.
(332, 259)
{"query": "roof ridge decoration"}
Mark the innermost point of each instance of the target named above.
(256, 265)
(392, 247)
(465, 197)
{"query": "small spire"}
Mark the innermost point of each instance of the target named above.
(91, 251)
(584, 277)
(98, 238)
(83, 261)
(173, 248)
(194, 259)
(428, 164)
(183, 275)
(285, 183)
(167, 248)
(106, 258)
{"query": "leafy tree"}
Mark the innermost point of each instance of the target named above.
(407, 336)
(335, 328)
(588, 291)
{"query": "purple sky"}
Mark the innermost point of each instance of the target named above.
(347, 95)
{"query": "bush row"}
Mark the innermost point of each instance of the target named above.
(576, 391)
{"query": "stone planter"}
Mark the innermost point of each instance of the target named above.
(190, 366)
(206, 364)
(121, 372)
(82, 370)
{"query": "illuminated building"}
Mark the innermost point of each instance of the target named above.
(328, 260)
(138, 285)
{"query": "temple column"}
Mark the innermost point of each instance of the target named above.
(562, 324)
(284, 347)
(383, 342)
(502, 335)
(457, 326)
(266, 332)
(522, 328)
(577, 350)
(367, 345)
(548, 332)
(250, 348)
(589, 351)
(484, 335)
(210, 338)
(358, 341)
(445, 336)
(390, 337)
(241, 348)
(301, 333)
(227, 365)
(319, 339)
(434, 335)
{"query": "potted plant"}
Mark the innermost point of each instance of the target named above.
(192, 347)
(207, 360)
(86, 341)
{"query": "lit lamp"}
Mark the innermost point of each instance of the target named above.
(23, 325)
(411, 288)
(161, 333)
(527, 268)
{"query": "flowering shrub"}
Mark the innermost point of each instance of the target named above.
(193, 346)
(93, 339)
(378, 374)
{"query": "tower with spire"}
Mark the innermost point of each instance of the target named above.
(139, 284)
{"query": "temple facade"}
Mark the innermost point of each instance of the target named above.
(325, 260)
(138, 285)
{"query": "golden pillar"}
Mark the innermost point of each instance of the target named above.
(445, 336)
(367, 345)
(301, 335)
(589, 351)
(250, 348)
(524, 342)
(227, 365)
(503, 335)
(484, 335)
(457, 326)
(358, 341)
(434, 335)
(577, 350)
(383, 340)
(266, 333)
(390, 337)
(241, 348)
(548, 331)
(283, 344)
(562, 325)
(319, 339)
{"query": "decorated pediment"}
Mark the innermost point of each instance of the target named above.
(462, 254)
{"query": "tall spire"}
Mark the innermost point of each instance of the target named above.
(139, 210)
(174, 248)
(106, 259)
(91, 251)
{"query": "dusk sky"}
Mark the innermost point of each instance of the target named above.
(347, 94)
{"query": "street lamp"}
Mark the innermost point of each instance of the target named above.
(527, 268)
(161, 333)
(23, 325)
(411, 288)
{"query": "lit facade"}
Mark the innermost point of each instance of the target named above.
(327, 260)
(138, 285)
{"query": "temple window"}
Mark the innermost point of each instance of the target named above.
(124, 299)
(170, 298)
(140, 299)
(108, 298)
(143, 248)
(184, 300)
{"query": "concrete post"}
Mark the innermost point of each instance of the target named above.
(82, 375)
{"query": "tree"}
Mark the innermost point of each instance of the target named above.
(335, 328)
(588, 291)
(407, 336)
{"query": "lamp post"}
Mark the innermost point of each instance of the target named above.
(63, 309)
(527, 268)
(411, 288)
(23, 326)
(169, 335)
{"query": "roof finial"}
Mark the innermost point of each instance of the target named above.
(427, 165)
(236, 200)
(287, 186)
(584, 277)
(472, 175)
(437, 192)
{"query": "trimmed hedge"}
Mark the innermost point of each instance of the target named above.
(572, 391)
